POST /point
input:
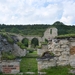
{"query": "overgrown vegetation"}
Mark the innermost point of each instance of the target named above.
(29, 64)
(7, 56)
(66, 36)
(8, 37)
(21, 45)
(44, 43)
(58, 70)
(37, 29)
(25, 41)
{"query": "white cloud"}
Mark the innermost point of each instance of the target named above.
(68, 12)
(36, 11)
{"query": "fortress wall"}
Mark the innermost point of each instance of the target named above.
(64, 51)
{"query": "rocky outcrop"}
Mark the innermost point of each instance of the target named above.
(18, 51)
(8, 47)
(5, 45)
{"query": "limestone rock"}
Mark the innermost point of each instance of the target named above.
(62, 63)
(18, 51)
(62, 42)
(65, 53)
(72, 61)
(58, 50)
(64, 58)
(57, 53)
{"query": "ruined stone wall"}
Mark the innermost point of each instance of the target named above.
(45, 63)
(10, 67)
(42, 50)
(50, 33)
(18, 51)
(64, 51)
(61, 49)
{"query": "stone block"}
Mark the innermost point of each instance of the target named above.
(62, 63)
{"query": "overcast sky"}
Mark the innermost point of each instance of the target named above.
(37, 11)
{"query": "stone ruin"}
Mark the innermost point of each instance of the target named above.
(13, 48)
(63, 50)
(50, 33)
(10, 67)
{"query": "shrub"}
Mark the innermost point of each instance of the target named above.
(30, 50)
(8, 56)
(9, 39)
(44, 43)
(39, 47)
(21, 45)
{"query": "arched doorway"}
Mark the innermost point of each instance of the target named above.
(25, 41)
(34, 42)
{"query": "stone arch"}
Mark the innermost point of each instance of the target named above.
(34, 42)
(48, 54)
(25, 41)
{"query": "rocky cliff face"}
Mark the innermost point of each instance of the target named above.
(5, 46)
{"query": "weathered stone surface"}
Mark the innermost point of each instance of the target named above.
(44, 64)
(10, 67)
(64, 51)
(64, 46)
(72, 61)
(41, 51)
(63, 62)
(72, 51)
(49, 35)
(64, 57)
(42, 73)
(64, 41)
(31, 73)
(56, 53)
(18, 51)
(72, 71)
(58, 50)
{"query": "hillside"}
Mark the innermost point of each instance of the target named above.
(37, 29)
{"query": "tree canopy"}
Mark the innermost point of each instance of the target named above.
(37, 29)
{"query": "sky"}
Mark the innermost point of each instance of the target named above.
(37, 11)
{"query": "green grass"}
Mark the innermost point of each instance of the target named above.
(28, 64)
(66, 35)
(59, 70)
(33, 54)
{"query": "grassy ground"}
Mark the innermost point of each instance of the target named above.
(29, 63)
(32, 55)
(60, 70)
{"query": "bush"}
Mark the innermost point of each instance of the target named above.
(44, 43)
(30, 50)
(21, 45)
(9, 39)
(8, 56)
(39, 47)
